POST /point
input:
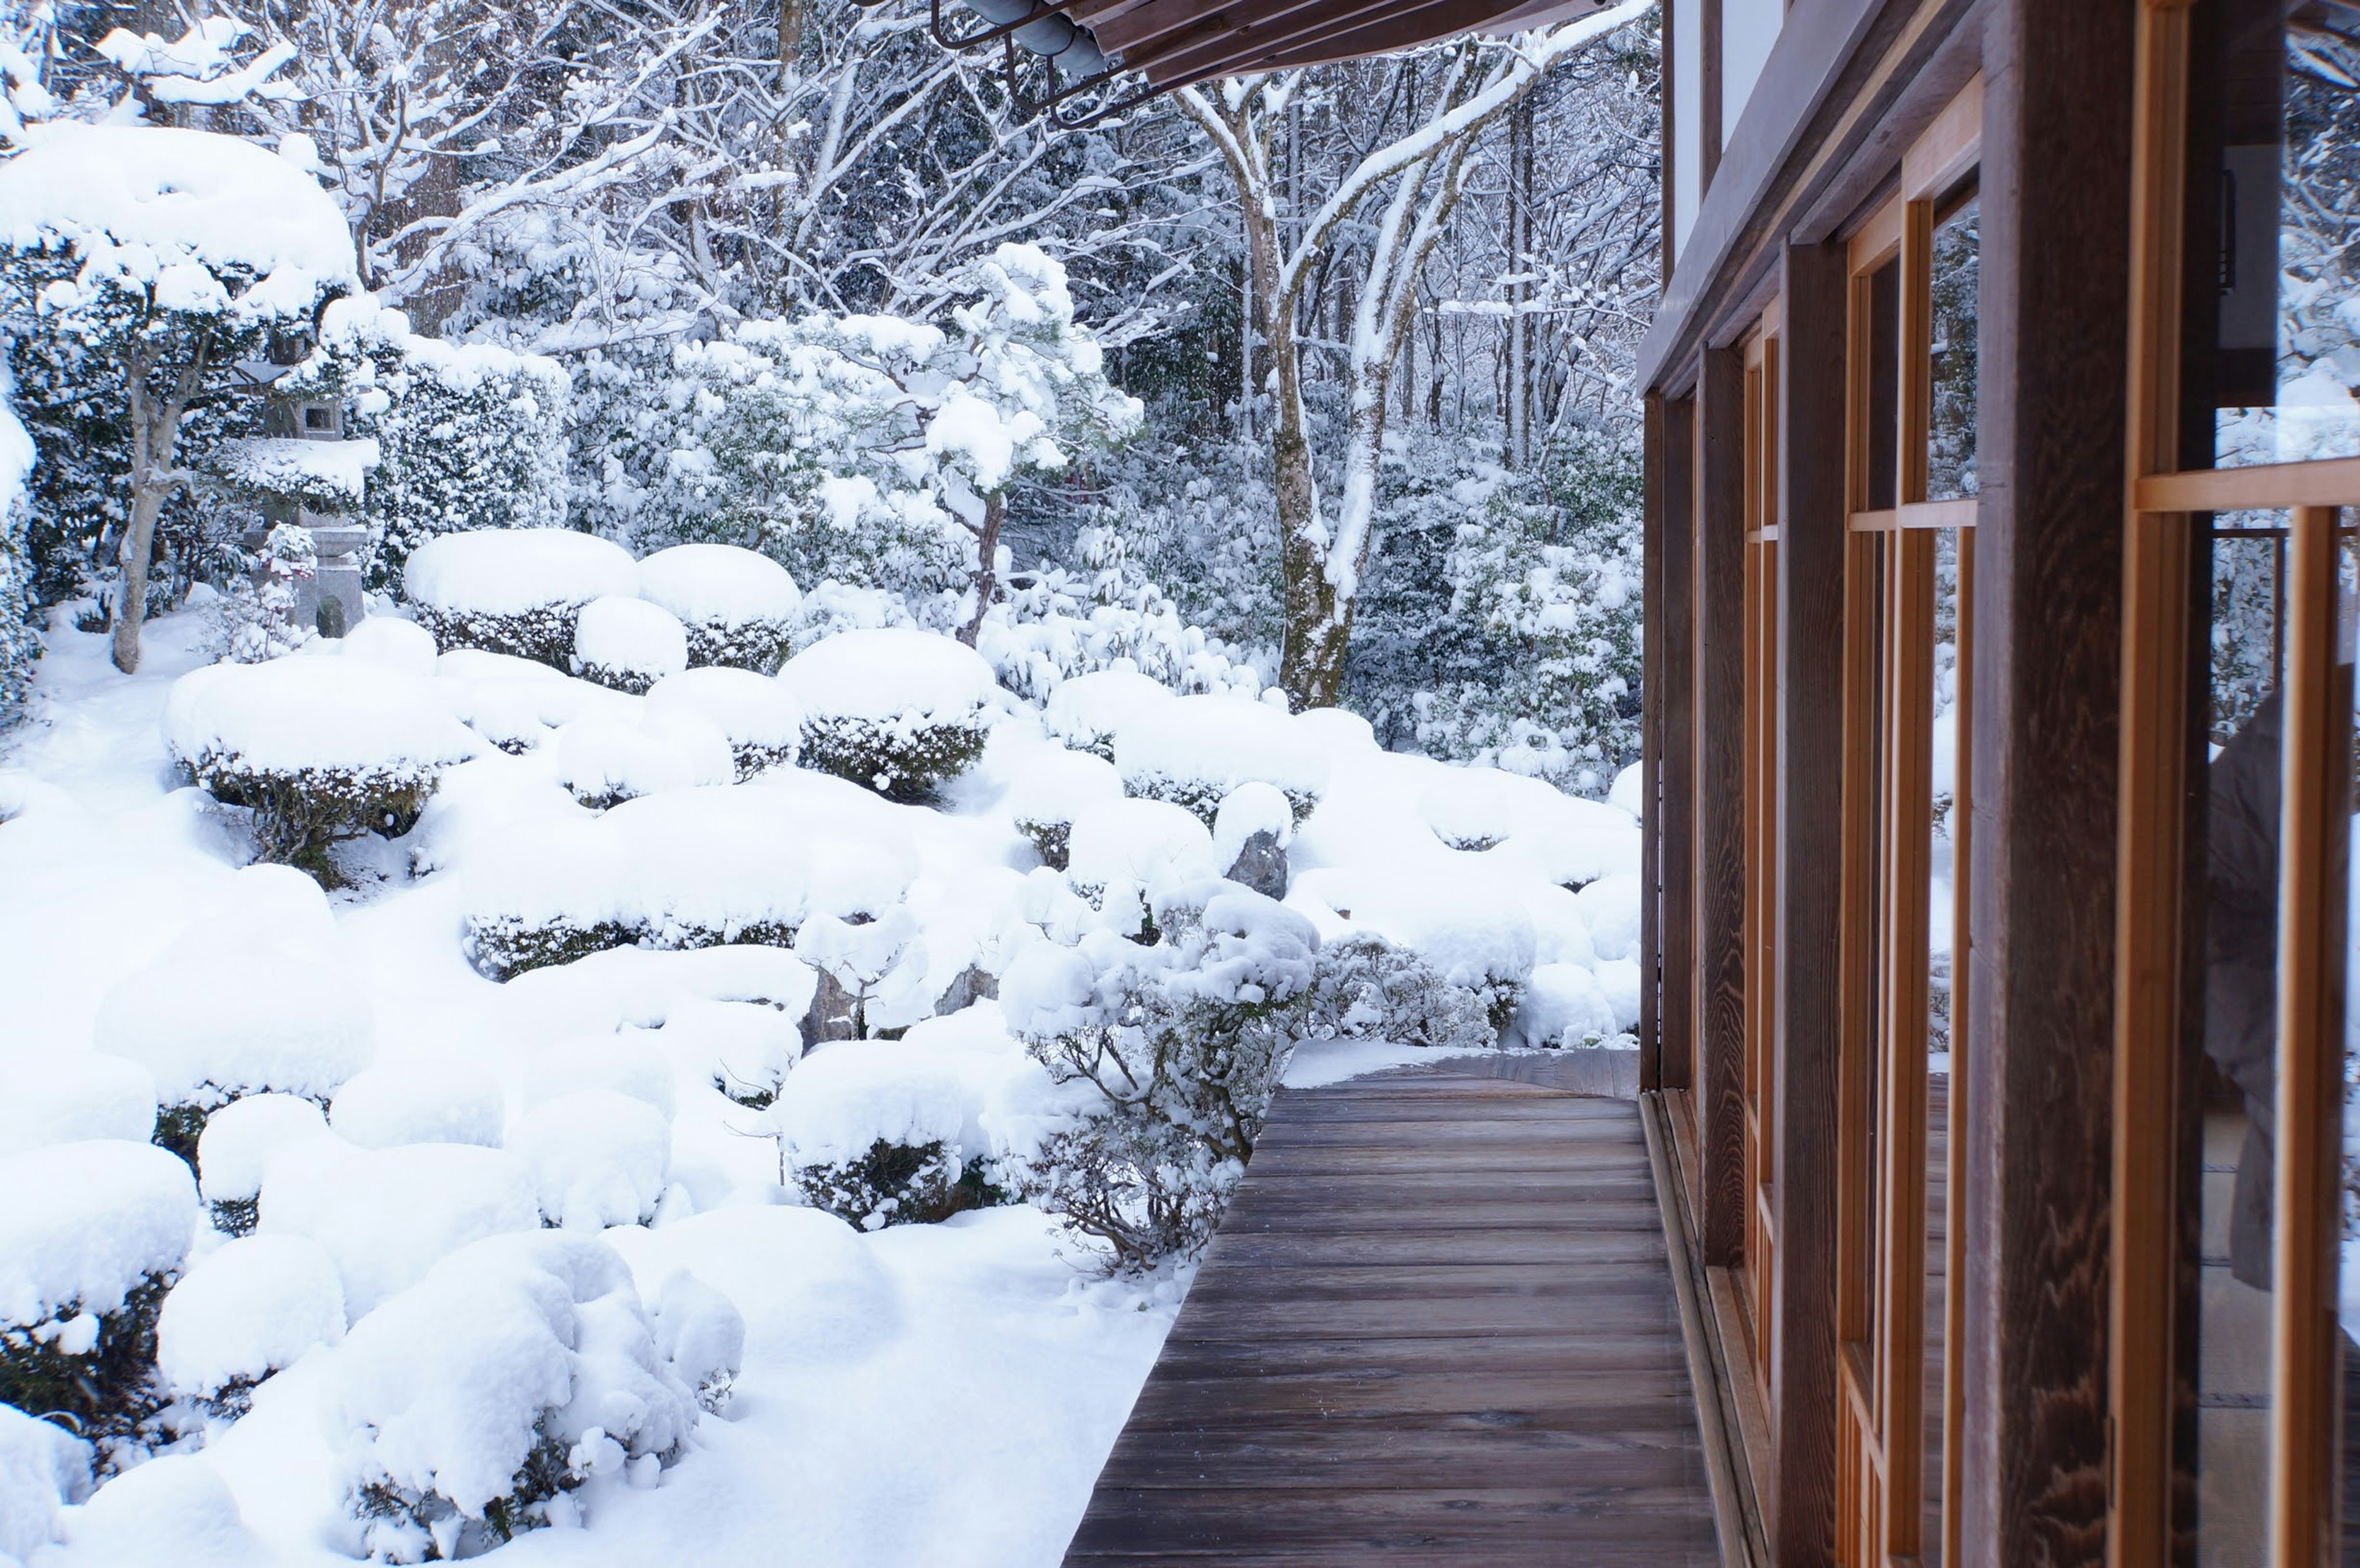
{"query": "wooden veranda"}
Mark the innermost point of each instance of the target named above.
(1439, 1325)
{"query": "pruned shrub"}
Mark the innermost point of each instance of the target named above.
(236, 1148)
(1193, 751)
(598, 1158)
(1048, 790)
(319, 749)
(1086, 710)
(93, 1238)
(477, 1402)
(242, 1312)
(514, 591)
(627, 645)
(754, 712)
(43, 1467)
(895, 1183)
(604, 760)
(898, 711)
(740, 606)
(702, 1336)
(1366, 988)
(1182, 1043)
(1118, 850)
(1564, 1005)
(387, 1216)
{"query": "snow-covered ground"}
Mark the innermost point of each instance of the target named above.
(919, 1394)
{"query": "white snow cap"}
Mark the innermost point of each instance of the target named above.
(1564, 1005)
(88, 1223)
(961, 1079)
(891, 674)
(248, 1310)
(626, 1061)
(1215, 744)
(508, 572)
(1610, 906)
(42, 1467)
(175, 1508)
(1338, 730)
(598, 1158)
(209, 1030)
(241, 1140)
(1250, 808)
(70, 1096)
(291, 713)
(387, 1216)
(630, 638)
(1089, 710)
(165, 207)
(753, 710)
(699, 1332)
(391, 641)
(428, 1100)
(1052, 784)
(605, 758)
(449, 1388)
(1131, 842)
(1629, 789)
(719, 585)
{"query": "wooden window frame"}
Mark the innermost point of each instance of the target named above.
(1886, 922)
(2160, 642)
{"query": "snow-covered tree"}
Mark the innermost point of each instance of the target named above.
(143, 267)
(20, 643)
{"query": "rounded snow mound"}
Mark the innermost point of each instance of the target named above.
(43, 1467)
(249, 1310)
(90, 1222)
(512, 571)
(241, 1140)
(598, 1158)
(1610, 907)
(625, 1063)
(289, 716)
(165, 207)
(740, 606)
(890, 674)
(627, 644)
(1049, 788)
(174, 1508)
(209, 1032)
(1564, 1005)
(385, 1217)
(393, 642)
(430, 1101)
(758, 715)
(1531, 825)
(605, 759)
(73, 1097)
(1129, 843)
(1089, 710)
(1193, 751)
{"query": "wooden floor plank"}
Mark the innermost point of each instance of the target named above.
(1436, 1326)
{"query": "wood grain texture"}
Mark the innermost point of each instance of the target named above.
(1719, 1005)
(1674, 673)
(1800, 1509)
(1378, 1363)
(1650, 710)
(2048, 572)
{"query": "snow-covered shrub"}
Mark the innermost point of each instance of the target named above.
(1047, 791)
(1564, 1005)
(419, 1101)
(626, 1062)
(20, 642)
(395, 643)
(1055, 626)
(387, 1216)
(514, 591)
(1467, 934)
(43, 1467)
(69, 1097)
(627, 644)
(172, 1508)
(1366, 988)
(319, 749)
(702, 1337)
(1183, 1043)
(898, 711)
(757, 715)
(1529, 823)
(517, 703)
(237, 1146)
(469, 435)
(1119, 850)
(740, 607)
(604, 760)
(1610, 906)
(1087, 710)
(872, 972)
(255, 619)
(91, 1240)
(209, 1031)
(598, 1158)
(476, 1402)
(1251, 832)
(746, 1049)
(243, 1312)
(1193, 751)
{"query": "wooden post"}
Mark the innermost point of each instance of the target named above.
(1676, 674)
(2047, 679)
(1799, 1510)
(1651, 748)
(1718, 1008)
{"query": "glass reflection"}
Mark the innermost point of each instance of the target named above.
(1956, 257)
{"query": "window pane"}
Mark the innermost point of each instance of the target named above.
(2277, 107)
(1884, 429)
(1950, 436)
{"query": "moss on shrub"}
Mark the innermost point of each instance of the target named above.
(905, 762)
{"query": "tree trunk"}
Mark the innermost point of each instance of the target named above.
(986, 576)
(154, 439)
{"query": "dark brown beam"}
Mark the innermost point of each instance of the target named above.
(2049, 584)
(1651, 747)
(1674, 672)
(1719, 1009)
(1400, 29)
(1800, 1509)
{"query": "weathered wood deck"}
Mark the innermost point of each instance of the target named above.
(1438, 1326)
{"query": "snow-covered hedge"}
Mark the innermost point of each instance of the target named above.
(92, 1238)
(387, 1216)
(243, 1312)
(1087, 710)
(898, 710)
(1050, 788)
(627, 644)
(599, 1157)
(1366, 988)
(319, 749)
(1193, 751)
(476, 1403)
(20, 642)
(237, 1146)
(515, 591)
(740, 606)
(604, 760)
(1119, 850)
(209, 1031)
(43, 1467)
(418, 1100)
(757, 715)
(69, 1096)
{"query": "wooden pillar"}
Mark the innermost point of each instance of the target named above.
(2048, 587)
(1650, 749)
(1717, 1005)
(1799, 1511)
(1674, 674)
